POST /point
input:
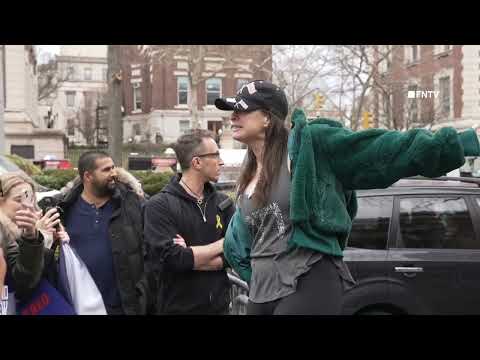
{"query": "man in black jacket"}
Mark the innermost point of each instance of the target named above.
(103, 218)
(184, 228)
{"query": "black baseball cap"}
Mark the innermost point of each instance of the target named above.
(257, 95)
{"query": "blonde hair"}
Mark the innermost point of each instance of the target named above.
(11, 179)
(9, 230)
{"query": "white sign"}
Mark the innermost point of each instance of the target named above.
(422, 94)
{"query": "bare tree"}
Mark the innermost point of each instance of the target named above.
(50, 79)
(198, 69)
(115, 124)
(302, 70)
(85, 120)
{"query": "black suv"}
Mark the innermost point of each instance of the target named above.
(415, 249)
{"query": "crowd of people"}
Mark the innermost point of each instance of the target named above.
(284, 232)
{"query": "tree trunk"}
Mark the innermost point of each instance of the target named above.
(194, 103)
(115, 122)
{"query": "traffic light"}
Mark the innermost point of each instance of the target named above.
(367, 120)
(319, 101)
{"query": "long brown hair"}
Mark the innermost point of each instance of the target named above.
(274, 150)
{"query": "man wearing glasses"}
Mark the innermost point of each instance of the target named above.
(184, 228)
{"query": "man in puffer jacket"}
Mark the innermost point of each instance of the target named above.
(104, 219)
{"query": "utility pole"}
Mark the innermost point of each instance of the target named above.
(2, 99)
(115, 122)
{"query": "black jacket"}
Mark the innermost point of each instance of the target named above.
(128, 250)
(182, 290)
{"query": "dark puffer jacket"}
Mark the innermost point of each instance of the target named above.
(126, 234)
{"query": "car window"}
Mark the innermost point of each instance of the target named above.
(6, 165)
(370, 227)
(435, 223)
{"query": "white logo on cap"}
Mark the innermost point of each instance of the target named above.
(251, 88)
(242, 104)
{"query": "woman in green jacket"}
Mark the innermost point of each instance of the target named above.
(296, 199)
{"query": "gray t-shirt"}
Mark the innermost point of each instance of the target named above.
(275, 268)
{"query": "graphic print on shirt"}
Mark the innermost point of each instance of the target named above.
(257, 220)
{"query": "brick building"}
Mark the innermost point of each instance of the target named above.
(444, 78)
(157, 92)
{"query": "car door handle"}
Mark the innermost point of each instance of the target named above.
(408, 269)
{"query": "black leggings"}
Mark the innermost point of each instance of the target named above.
(319, 292)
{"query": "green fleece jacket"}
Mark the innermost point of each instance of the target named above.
(329, 162)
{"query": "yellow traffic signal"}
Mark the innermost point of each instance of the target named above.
(367, 120)
(319, 101)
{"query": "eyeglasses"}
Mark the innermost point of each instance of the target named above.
(215, 155)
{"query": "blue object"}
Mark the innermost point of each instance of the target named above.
(45, 300)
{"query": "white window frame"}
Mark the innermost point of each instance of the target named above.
(85, 72)
(70, 128)
(178, 91)
(441, 50)
(207, 92)
(413, 101)
(409, 57)
(70, 73)
(137, 87)
(183, 130)
(442, 74)
(136, 127)
(73, 94)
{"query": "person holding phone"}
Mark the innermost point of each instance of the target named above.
(21, 226)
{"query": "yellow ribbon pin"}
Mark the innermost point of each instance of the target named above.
(219, 223)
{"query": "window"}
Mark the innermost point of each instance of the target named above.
(87, 74)
(413, 105)
(182, 90)
(214, 90)
(435, 223)
(71, 127)
(444, 86)
(241, 82)
(70, 98)
(70, 72)
(137, 97)
(104, 73)
(370, 227)
(184, 126)
(415, 53)
(25, 151)
(136, 130)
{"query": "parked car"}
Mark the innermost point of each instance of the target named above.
(53, 164)
(415, 249)
(6, 165)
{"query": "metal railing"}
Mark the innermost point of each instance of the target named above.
(238, 294)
